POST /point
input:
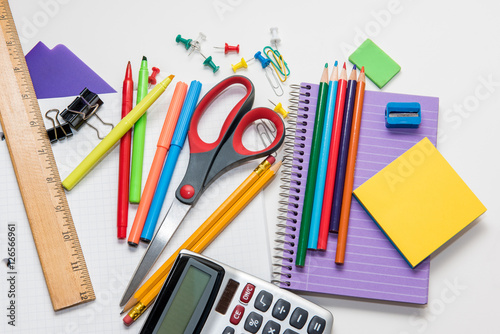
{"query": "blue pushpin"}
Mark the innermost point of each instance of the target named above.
(263, 60)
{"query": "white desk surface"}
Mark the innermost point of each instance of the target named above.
(448, 50)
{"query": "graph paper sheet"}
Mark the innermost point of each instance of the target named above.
(93, 203)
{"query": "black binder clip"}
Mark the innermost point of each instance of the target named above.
(59, 131)
(76, 114)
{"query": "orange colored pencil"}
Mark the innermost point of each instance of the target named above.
(166, 134)
(351, 162)
(202, 243)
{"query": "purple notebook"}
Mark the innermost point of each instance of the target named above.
(373, 267)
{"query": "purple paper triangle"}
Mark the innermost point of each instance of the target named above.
(60, 73)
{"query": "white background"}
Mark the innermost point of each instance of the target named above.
(446, 49)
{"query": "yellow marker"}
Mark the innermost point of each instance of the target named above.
(114, 136)
(241, 64)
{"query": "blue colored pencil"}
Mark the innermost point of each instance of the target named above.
(323, 160)
(178, 140)
(343, 151)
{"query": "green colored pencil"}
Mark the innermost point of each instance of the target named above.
(139, 137)
(313, 169)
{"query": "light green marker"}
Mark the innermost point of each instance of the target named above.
(139, 136)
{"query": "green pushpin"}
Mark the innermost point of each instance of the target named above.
(186, 42)
(209, 62)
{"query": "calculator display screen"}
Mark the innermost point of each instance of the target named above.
(185, 301)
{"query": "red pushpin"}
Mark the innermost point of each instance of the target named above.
(152, 77)
(229, 48)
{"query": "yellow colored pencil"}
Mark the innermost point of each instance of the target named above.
(201, 231)
(205, 240)
(114, 136)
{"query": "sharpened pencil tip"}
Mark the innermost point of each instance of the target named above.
(354, 68)
(144, 58)
(326, 65)
(336, 63)
(123, 311)
(363, 69)
(344, 66)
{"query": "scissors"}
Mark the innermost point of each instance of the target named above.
(207, 161)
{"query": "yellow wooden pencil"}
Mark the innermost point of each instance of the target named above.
(205, 240)
(162, 272)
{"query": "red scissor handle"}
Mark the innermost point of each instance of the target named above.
(208, 161)
(234, 153)
(196, 144)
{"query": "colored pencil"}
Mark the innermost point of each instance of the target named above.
(343, 151)
(351, 162)
(332, 161)
(313, 169)
(162, 147)
(206, 239)
(198, 234)
(124, 165)
(99, 152)
(139, 137)
(323, 160)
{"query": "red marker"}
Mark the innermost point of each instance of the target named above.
(124, 169)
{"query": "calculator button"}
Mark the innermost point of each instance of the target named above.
(237, 315)
(298, 318)
(281, 309)
(228, 330)
(271, 327)
(247, 293)
(316, 326)
(227, 296)
(289, 331)
(263, 301)
(253, 322)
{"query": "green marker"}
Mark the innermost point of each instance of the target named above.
(139, 136)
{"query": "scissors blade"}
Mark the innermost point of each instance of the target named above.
(171, 222)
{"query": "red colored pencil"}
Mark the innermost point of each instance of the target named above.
(124, 168)
(332, 161)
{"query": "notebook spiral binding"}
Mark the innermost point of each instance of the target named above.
(289, 180)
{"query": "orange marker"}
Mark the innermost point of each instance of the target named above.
(161, 152)
(351, 162)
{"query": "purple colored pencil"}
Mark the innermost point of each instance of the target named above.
(345, 136)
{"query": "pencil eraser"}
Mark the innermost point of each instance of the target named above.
(127, 320)
(379, 67)
(271, 159)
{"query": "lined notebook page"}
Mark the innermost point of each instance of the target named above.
(93, 203)
(373, 267)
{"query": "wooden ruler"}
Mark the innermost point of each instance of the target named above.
(44, 199)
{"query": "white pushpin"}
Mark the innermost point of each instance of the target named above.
(275, 39)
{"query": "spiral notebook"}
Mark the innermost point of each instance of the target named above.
(373, 267)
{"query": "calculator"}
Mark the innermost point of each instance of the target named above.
(203, 296)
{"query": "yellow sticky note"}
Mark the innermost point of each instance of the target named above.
(419, 201)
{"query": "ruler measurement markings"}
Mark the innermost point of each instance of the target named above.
(55, 192)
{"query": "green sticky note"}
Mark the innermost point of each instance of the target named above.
(379, 67)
